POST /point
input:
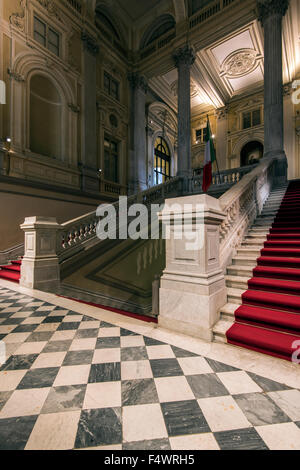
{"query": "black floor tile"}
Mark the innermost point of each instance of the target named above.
(57, 346)
(76, 358)
(108, 343)
(184, 418)
(99, 428)
(20, 362)
(139, 392)
(15, 432)
(165, 368)
(90, 333)
(124, 332)
(268, 385)
(206, 385)
(242, 439)
(180, 353)
(156, 444)
(26, 328)
(134, 354)
(105, 372)
(39, 378)
(66, 398)
(40, 336)
(53, 319)
(68, 326)
(219, 367)
(153, 342)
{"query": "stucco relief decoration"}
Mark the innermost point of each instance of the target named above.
(194, 89)
(18, 19)
(240, 63)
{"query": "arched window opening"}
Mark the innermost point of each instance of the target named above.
(252, 153)
(162, 161)
(101, 17)
(45, 117)
(164, 24)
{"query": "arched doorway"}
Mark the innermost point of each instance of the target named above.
(252, 153)
(162, 161)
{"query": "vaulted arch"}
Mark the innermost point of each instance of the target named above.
(160, 26)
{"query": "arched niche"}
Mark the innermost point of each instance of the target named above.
(252, 153)
(45, 116)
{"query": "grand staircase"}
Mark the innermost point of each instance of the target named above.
(263, 282)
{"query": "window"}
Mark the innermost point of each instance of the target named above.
(251, 119)
(111, 160)
(111, 86)
(46, 36)
(162, 161)
(201, 135)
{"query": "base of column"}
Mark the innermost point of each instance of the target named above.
(43, 274)
(281, 167)
(192, 306)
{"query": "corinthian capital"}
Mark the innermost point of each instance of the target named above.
(267, 8)
(90, 43)
(185, 55)
(137, 80)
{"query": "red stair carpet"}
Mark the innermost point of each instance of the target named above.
(268, 321)
(11, 272)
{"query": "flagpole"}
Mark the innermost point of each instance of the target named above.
(215, 153)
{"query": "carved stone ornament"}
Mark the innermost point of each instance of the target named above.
(184, 56)
(50, 7)
(15, 76)
(138, 81)
(267, 8)
(240, 63)
(194, 89)
(18, 19)
(74, 108)
(90, 43)
(221, 113)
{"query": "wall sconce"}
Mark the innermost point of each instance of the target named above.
(6, 143)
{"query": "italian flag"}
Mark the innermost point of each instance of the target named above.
(209, 159)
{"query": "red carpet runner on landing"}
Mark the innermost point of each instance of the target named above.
(11, 272)
(268, 320)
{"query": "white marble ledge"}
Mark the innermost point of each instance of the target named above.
(272, 368)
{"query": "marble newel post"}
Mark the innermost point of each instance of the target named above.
(184, 59)
(40, 267)
(137, 177)
(271, 13)
(193, 285)
(90, 170)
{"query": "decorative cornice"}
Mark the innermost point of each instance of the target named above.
(267, 8)
(90, 43)
(184, 56)
(18, 19)
(137, 80)
(15, 76)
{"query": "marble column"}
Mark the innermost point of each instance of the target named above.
(184, 58)
(137, 174)
(271, 13)
(90, 170)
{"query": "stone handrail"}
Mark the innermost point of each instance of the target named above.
(223, 178)
(208, 11)
(74, 234)
(241, 204)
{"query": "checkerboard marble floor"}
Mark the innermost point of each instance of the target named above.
(73, 382)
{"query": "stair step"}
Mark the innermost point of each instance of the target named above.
(249, 251)
(245, 261)
(220, 330)
(275, 301)
(9, 275)
(235, 295)
(11, 267)
(237, 282)
(291, 274)
(228, 311)
(274, 285)
(259, 339)
(243, 271)
(267, 318)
